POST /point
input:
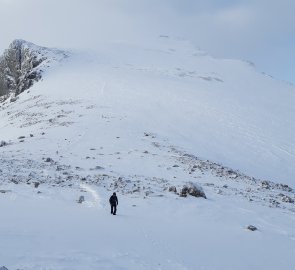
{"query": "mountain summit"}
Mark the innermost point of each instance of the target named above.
(22, 64)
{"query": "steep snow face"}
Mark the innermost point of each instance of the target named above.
(23, 63)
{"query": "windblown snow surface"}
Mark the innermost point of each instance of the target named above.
(138, 120)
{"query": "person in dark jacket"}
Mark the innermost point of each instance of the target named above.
(114, 202)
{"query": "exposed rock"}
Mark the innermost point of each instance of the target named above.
(13, 99)
(265, 184)
(81, 199)
(36, 184)
(4, 191)
(286, 198)
(137, 189)
(252, 228)
(3, 268)
(48, 159)
(284, 187)
(22, 64)
(172, 189)
(3, 143)
(209, 184)
(274, 203)
(192, 189)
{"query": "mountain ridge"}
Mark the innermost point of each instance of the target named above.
(22, 64)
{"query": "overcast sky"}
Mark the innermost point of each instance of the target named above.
(261, 31)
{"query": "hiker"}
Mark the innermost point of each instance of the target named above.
(113, 202)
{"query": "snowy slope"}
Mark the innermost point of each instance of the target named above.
(138, 119)
(221, 110)
(159, 233)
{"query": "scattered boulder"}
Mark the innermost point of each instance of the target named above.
(48, 159)
(21, 137)
(3, 143)
(173, 189)
(265, 184)
(252, 228)
(137, 189)
(274, 203)
(209, 184)
(14, 181)
(4, 191)
(286, 198)
(192, 189)
(13, 99)
(36, 184)
(81, 199)
(284, 187)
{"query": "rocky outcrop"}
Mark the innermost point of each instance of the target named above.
(252, 228)
(192, 189)
(22, 64)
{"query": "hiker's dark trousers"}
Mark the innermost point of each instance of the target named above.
(113, 209)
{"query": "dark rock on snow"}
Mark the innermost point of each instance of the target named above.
(81, 199)
(192, 189)
(286, 198)
(36, 184)
(172, 189)
(3, 143)
(48, 159)
(252, 228)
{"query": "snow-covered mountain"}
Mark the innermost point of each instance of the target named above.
(144, 121)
